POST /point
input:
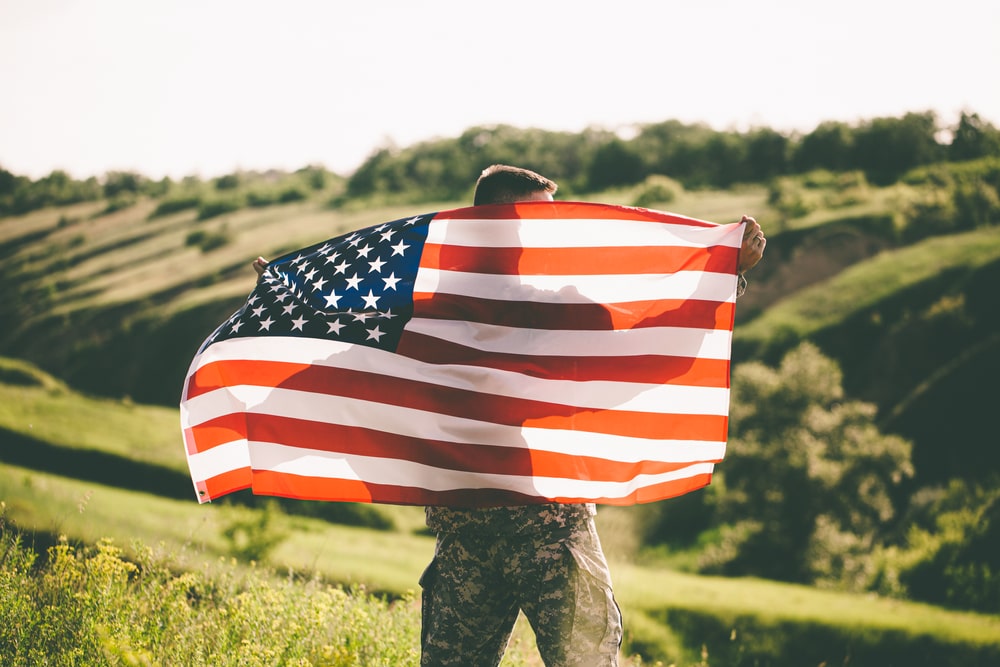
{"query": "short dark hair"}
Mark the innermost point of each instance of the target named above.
(503, 184)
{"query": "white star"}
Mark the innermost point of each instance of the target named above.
(281, 296)
(375, 334)
(289, 308)
(318, 285)
(387, 235)
(399, 248)
(309, 276)
(252, 300)
(325, 249)
(265, 325)
(257, 311)
(353, 282)
(376, 266)
(387, 314)
(364, 250)
(332, 258)
(298, 259)
(371, 301)
(360, 317)
(298, 322)
(354, 240)
(414, 220)
(332, 299)
(340, 268)
(236, 325)
(390, 282)
(334, 327)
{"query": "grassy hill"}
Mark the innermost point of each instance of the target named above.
(113, 301)
(671, 615)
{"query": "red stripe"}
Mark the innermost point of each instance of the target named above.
(320, 488)
(485, 459)
(613, 260)
(216, 375)
(473, 405)
(564, 210)
(223, 483)
(688, 313)
(648, 368)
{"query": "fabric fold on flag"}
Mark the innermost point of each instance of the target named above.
(490, 355)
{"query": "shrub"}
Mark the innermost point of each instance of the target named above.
(208, 241)
(216, 207)
(176, 204)
(949, 555)
(657, 189)
(90, 606)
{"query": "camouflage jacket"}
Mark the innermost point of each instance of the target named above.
(516, 520)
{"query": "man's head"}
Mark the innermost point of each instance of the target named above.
(503, 184)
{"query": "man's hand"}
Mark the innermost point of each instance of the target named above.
(259, 265)
(753, 245)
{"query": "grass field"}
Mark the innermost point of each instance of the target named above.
(664, 607)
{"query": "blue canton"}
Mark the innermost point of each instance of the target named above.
(356, 288)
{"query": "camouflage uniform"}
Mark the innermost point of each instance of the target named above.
(545, 560)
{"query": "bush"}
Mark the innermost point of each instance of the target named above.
(176, 204)
(950, 556)
(217, 207)
(208, 241)
(657, 189)
(810, 480)
(94, 607)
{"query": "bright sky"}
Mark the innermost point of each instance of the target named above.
(206, 87)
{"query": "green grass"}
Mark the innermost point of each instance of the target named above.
(863, 285)
(674, 613)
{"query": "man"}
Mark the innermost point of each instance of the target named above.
(543, 560)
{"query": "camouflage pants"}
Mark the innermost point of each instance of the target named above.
(477, 583)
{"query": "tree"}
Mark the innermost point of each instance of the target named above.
(615, 163)
(886, 148)
(829, 146)
(809, 479)
(973, 138)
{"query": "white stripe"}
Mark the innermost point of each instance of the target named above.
(609, 289)
(668, 341)
(218, 460)
(374, 470)
(597, 394)
(579, 233)
(421, 424)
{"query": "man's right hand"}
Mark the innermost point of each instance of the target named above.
(259, 265)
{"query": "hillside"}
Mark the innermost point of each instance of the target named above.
(115, 300)
(670, 614)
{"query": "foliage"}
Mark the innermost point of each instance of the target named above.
(949, 555)
(657, 190)
(91, 606)
(208, 240)
(253, 537)
(810, 480)
(953, 197)
(217, 206)
(176, 203)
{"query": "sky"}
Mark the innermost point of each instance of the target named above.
(208, 87)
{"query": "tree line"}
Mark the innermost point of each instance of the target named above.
(695, 155)
(596, 159)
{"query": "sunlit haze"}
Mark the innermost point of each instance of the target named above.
(207, 87)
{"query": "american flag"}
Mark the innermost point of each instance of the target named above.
(502, 354)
